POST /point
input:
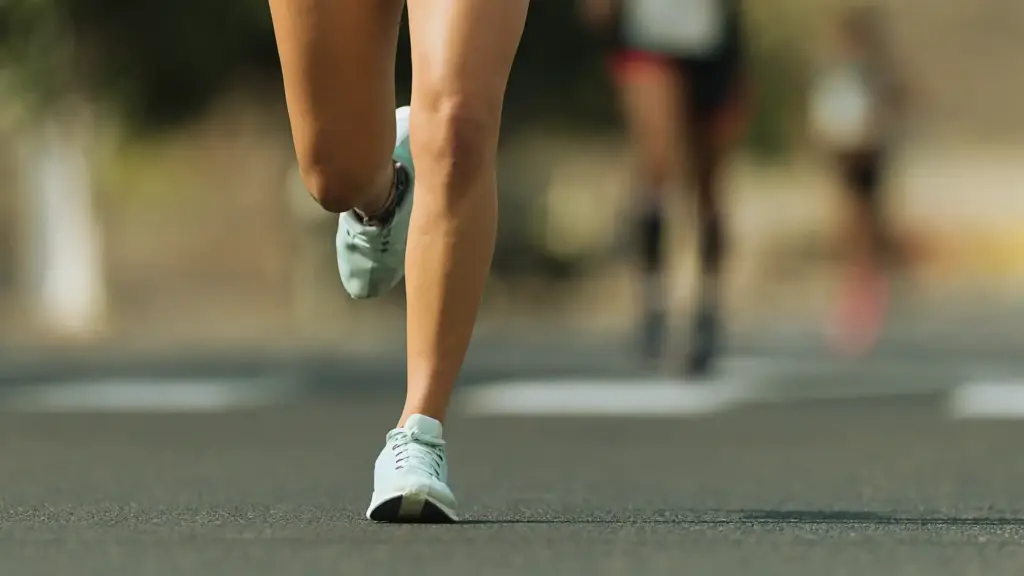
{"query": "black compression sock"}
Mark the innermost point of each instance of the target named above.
(651, 247)
(712, 245)
(650, 229)
(712, 254)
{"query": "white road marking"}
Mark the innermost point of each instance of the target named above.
(989, 400)
(595, 397)
(741, 379)
(145, 395)
(867, 389)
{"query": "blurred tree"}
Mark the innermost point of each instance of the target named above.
(161, 62)
(33, 44)
(60, 243)
(778, 73)
(157, 62)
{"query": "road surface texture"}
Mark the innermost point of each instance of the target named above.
(787, 464)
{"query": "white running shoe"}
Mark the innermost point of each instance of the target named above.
(371, 258)
(410, 477)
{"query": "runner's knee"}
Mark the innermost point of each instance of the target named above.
(336, 184)
(656, 169)
(456, 139)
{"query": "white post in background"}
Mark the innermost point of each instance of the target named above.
(63, 242)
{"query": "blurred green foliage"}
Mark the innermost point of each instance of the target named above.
(162, 62)
(158, 62)
(779, 73)
(34, 43)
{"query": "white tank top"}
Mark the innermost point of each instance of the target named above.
(844, 109)
(683, 27)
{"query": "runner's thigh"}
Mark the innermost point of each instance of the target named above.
(338, 62)
(462, 53)
(652, 99)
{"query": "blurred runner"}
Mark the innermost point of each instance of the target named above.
(857, 102)
(678, 67)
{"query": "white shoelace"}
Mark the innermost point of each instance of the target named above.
(415, 451)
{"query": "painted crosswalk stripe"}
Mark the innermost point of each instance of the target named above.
(146, 395)
(989, 400)
(595, 397)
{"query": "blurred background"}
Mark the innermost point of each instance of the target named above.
(159, 254)
(148, 194)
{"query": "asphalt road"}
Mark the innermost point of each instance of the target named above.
(820, 467)
(851, 486)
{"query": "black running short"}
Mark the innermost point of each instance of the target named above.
(713, 78)
(863, 173)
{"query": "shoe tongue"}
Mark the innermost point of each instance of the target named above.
(423, 425)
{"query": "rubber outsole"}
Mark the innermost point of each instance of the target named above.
(407, 510)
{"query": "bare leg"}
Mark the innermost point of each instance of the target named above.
(865, 293)
(462, 52)
(713, 136)
(651, 97)
(338, 61)
(862, 232)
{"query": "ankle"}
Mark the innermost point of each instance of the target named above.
(438, 415)
(380, 209)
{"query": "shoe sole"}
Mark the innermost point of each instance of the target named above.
(411, 510)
